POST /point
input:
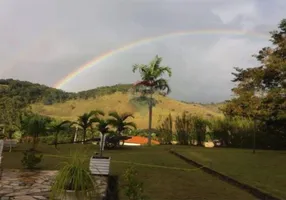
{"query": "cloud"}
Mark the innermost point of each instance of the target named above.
(43, 41)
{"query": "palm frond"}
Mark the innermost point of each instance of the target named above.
(96, 113)
(162, 85)
(126, 115)
(131, 124)
(115, 115)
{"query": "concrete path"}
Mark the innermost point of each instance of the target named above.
(27, 185)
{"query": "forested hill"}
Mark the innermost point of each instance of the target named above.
(33, 92)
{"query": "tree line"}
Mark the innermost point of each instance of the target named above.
(31, 92)
(33, 126)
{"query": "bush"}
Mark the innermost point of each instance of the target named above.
(234, 132)
(133, 188)
(30, 160)
(166, 131)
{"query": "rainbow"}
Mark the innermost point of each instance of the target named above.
(106, 55)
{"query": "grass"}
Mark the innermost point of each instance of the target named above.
(264, 170)
(71, 109)
(165, 176)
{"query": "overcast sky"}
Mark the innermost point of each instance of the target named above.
(43, 41)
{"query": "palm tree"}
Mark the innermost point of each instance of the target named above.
(86, 120)
(103, 127)
(34, 125)
(152, 81)
(119, 122)
(56, 127)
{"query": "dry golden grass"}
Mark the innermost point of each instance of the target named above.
(120, 102)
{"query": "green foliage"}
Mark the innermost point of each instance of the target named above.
(31, 93)
(199, 128)
(35, 125)
(30, 160)
(260, 93)
(191, 128)
(119, 121)
(133, 188)
(100, 91)
(183, 126)
(86, 120)
(12, 110)
(56, 127)
(74, 175)
(166, 131)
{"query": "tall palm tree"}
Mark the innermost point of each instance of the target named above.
(86, 120)
(56, 127)
(103, 127)
(152, 81)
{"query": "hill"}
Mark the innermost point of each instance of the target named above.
(66, 105)
(34, 92)
(121, 102)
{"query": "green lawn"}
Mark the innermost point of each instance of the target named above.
(159, 183)
(265, 170)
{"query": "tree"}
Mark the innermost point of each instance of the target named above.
(103, 127)
(261, 91)
(119, 122)
(56, 127)
(86, 120)
(12, 109)
(34, 125)
(152, 81)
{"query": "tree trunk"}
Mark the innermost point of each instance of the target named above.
(56, 140)
(150, 120)
(101, 144)
(75, 135)
(84, 133)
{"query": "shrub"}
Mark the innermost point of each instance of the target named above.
(133, 188)
(165, 135)
(30, 160)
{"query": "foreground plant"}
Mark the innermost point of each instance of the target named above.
(74, 180)
(30, 160)
(133, 188)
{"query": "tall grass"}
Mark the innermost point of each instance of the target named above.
(183, 126)
(165, 129)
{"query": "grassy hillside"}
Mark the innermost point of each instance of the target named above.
(67, 105)
(121, 102)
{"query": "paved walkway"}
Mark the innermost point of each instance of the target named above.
(27, 185)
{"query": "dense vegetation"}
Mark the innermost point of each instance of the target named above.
(260, 94)
(30, 92)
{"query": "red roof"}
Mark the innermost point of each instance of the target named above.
(140, 140)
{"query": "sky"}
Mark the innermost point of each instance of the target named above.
(44, 41)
